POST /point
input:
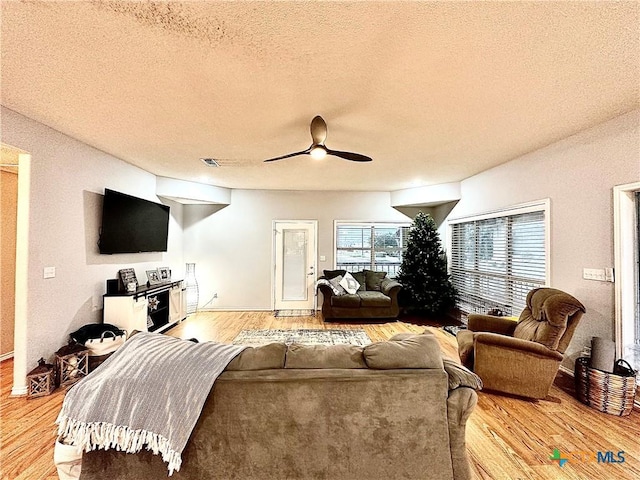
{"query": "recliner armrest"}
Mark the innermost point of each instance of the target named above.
(516, 344)
(388, 284)
(489, 323)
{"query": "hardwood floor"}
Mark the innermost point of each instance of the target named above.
(507, 438)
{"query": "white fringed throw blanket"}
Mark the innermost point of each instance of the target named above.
(150, 392)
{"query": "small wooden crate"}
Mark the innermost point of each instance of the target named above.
(72, 364)
(41, 380)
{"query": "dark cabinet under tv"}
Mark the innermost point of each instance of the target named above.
(153, 309)
(158, 311)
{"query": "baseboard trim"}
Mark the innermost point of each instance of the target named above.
(19, 391)
(6, 356)
(566, 370)
(234, 310)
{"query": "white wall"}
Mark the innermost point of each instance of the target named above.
(577, 174)
(232, 246)
(67, 183)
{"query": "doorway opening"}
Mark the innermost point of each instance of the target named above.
(294, 265)
(14, 252)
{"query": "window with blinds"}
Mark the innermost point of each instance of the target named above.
(374, 246)
(496, 261)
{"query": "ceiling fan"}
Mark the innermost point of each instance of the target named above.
(318, 149)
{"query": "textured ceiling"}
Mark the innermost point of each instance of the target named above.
(433, 91)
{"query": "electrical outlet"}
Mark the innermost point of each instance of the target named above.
(49, 272)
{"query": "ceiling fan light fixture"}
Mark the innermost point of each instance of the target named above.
(318, 152)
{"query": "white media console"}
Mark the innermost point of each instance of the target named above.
(149, 309)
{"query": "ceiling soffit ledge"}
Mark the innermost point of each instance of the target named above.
(192, 193)
(428, 196)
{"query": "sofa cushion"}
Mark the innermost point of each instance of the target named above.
(405, 335)
(419, 351)
(348, 300)
(324, 356)
(333, 273)
(264, 357)
(361, 279)
(349, 283)
(336, 287)
(373, 279)
(374, 299)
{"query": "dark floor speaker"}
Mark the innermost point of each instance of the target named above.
(112, 286)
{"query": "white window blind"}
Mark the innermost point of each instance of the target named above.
(496, 261)
(374, 246)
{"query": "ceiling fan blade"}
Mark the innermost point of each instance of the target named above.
(303, 152)
(318, 130)
(354, 157)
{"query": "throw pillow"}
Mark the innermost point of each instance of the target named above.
(349, 283)
(333, 273)
(324, 356)
(417, 351)
(361, 279)
(374, 280)
(336, 287)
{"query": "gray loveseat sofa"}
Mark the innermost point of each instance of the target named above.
(376, 298)
(389, 410)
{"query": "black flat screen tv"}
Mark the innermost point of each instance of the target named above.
(132, 225)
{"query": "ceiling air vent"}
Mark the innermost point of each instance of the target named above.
(210, 162)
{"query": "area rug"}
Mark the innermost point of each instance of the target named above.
(307, 337)
(454, 329)
(294, 313)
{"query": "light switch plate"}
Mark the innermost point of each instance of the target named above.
(49, 272)
(594, 274)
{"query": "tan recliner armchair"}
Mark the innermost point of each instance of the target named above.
(523, 357)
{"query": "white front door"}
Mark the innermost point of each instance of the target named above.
(294, 264)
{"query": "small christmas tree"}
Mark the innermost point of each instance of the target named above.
(426, 286)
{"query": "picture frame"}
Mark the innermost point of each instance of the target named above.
(153, 277)
(126, 276)
(164, 273)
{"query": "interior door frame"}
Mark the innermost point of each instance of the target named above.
(274, 266)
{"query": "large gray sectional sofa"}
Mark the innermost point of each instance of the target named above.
(389, 410)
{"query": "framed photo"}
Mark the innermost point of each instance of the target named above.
(127, 276)
(164, 273)
(153, 277)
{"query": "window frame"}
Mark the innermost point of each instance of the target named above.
(625, 240)
(370, 224)
(543, 205)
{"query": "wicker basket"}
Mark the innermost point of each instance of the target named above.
(608, 392)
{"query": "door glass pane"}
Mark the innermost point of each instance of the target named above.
(294, 264)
